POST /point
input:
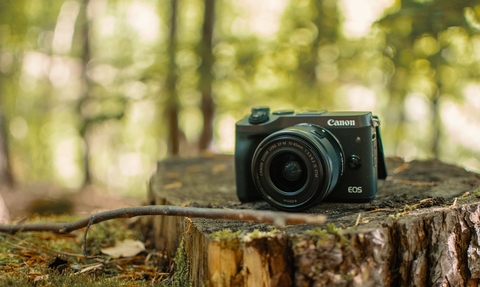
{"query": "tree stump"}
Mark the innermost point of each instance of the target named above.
(421, 230)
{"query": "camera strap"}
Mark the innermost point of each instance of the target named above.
(382, 166)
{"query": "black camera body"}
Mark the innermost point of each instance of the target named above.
(295, 160)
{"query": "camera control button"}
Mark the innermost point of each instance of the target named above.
(259, 115)
(283, 112)
(354, 162)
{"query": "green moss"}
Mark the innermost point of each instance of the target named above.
(68, 279)
(317, 231)
(396, 216)
(6, 255)
(233, 240)
(469, 195)
(181, 275)
(273, 229)
(476, 193)
(225, 234)
(330, 228)
(352, 228)
(227, 238)
(260, 234)
(328, 233)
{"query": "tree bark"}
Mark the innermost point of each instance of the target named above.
(422, 229)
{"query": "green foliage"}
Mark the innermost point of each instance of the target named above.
(429, 43)
(66, 102)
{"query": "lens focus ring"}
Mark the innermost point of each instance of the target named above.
(295, 168)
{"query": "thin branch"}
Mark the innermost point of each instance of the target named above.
(280, 219)
(84, 244)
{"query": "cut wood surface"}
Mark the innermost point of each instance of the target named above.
(422, 229)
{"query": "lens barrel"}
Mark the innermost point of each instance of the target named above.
(296, 167)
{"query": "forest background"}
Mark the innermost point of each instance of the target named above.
(97, 91)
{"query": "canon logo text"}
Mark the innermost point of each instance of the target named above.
(340, 123)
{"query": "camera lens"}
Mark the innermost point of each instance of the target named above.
(288, 172)
(292, 170)
(297, 167)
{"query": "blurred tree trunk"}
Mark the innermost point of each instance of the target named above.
(326, 20)
(436, 117)
(437, 133)
(6, 175)
(87, 85)
(171, 82)
(206, 77)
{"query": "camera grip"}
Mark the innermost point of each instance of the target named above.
(245, 187)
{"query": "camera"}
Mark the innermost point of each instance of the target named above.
(294, 160)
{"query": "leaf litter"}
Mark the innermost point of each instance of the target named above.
(48, 259)
(124, 248)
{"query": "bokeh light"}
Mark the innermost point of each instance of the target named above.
(64, 100)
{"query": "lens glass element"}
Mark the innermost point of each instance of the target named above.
(288, 172)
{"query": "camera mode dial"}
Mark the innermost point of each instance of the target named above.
(259, 115)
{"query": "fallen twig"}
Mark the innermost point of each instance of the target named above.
(279, 219)
(357, 222)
